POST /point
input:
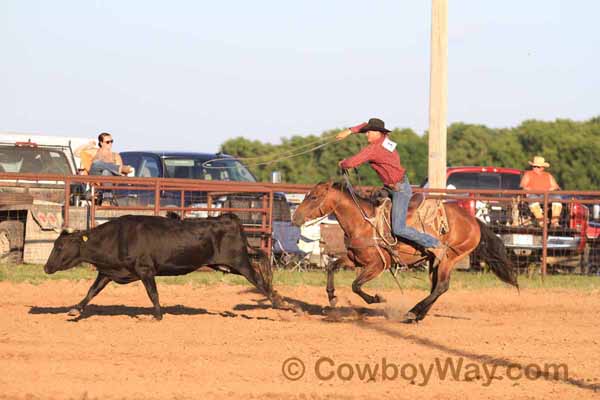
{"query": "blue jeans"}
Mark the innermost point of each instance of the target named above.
(104, 168)
(400, 199)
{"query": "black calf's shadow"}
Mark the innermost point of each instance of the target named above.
(135, 312)
(337, 314)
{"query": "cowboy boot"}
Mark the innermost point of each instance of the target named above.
(439, 253)
(536, 210)
(556, 210)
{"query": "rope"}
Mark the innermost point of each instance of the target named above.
(281, 156)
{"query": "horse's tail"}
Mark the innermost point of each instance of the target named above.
(491, 249)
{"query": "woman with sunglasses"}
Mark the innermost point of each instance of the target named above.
(106, 161)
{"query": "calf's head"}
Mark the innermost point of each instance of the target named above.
(66, 252)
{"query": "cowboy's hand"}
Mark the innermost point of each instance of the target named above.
(357, 128)
(340, 164)
(343, 134)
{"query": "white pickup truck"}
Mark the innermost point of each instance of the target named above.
(31, 210)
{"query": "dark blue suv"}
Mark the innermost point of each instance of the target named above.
(187, 165)
(205, 166)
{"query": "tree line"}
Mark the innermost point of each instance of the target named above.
(571, 147)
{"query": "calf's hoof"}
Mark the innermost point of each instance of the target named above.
(277, 301)
(74, 312)
(410, 318)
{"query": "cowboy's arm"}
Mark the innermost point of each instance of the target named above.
(347, 132)
(359, 158)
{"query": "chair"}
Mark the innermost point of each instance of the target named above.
(286, 252)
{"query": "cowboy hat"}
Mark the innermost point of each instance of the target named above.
(375, 124)
(539, 161)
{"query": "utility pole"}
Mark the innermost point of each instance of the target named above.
(438, 94)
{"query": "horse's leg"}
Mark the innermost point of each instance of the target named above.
(368, 273)
(99, 284)
(440, 282)
(331, 268)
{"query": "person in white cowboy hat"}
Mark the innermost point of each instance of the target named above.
(537, 179)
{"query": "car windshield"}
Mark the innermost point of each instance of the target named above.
(218, 170)
(484, 180)
(33, 160)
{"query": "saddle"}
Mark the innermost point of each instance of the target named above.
(426, 215)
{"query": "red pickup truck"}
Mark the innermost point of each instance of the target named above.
(566, 243)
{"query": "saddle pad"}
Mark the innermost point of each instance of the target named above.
(429, 217)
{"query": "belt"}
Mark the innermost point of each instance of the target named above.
(395, 187)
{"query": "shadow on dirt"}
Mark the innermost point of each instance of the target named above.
(481, 358)
(135, 312)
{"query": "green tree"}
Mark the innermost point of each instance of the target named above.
(572, 148)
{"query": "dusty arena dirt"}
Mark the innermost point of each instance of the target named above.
(226, 342)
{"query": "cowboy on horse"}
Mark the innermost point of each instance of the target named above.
(382, 156)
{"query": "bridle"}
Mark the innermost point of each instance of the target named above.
(323, 213)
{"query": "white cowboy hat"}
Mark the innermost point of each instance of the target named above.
(539, 162)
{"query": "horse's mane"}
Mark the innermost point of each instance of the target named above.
(343, 187)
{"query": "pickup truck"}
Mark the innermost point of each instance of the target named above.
(566, 244)
(31, 210)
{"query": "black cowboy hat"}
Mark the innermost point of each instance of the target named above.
(375, 124)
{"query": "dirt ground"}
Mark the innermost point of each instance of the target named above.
(224, 341)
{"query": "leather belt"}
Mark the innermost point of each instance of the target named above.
(395, 187)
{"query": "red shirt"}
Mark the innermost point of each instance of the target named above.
(386, 163)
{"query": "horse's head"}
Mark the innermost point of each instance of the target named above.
(317, 203)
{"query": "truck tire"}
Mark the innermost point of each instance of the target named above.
(12, 238)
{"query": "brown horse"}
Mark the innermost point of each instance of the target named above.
(465, 234)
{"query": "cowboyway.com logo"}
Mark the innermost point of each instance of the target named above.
(450, 368)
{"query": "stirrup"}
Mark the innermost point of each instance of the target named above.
(393, 253)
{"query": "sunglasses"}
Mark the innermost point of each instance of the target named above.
(108, 141)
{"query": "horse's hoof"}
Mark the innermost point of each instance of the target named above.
(74, 312)
(333, 302)
(380, 299)
(410, 317)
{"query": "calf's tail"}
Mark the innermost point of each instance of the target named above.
(260, 264)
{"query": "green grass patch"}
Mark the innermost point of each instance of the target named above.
(408, 280)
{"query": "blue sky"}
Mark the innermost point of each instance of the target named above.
(189, 75)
